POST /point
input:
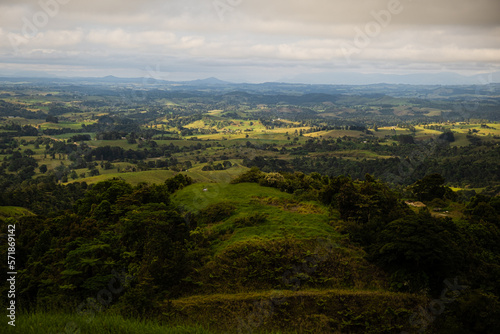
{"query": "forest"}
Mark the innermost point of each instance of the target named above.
(249, 208)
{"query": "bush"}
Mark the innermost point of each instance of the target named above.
(254, 175)
(178, 182)
(215, 213)
(254, 220)
(274, 180)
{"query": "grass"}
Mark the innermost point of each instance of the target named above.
(477, 190)
(196, 301)
(180, 143)
(50, 323)
(134, 178)
(433, 112)
(493, 129)
(426, 133)
(14, 211)
(309, 221)
(460, 140)
(159, 175)
(195, 198)
(354, 154)
(66, 136)
(254, 138)
(305, 311)
(334, 134)
(62, 125)
(119, 143)
(216, 176)
(234, 124)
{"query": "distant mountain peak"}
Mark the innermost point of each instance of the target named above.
(209, 81)
(109, 78)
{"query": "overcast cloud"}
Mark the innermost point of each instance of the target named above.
(248, 40)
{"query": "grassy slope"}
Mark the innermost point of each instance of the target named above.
(47, 323)
(341, 304)
(312, 311)
(150, 176)
(14, 211)
(160, 175)
(299, 222)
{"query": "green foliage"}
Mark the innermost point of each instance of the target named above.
(49, 323)
(406, 139)
(315, 311)
(485, 208)
(257, 236)
(178, 182)
(431, 187)
(109, 190)
(475, 311)
(214, 213)
(14, 211)
(447, 136)
(285, 264)
(102, 210)
(156, 233)
(42, 245)
(364, 206)
(114, 226)
(254, 175)
(304, 186)
(286, 216)
(421, 247)
(253, 220)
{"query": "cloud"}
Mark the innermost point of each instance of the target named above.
(415, 12)
(291, 35)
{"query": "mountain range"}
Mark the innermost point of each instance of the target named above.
(323, 78)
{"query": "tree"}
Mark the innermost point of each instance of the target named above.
(94, 172)
(108, 165)
(178, 182)
(188, 164)
(406, 139)
(29, 152)
(420, 250)
(253, 175)
(430, 187)
(43, 169)
(52, 119)
(157, 234)
(447, 136)
(482, 207)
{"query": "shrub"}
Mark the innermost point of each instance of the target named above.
(254, 175)
(253, 220)
(215, 213)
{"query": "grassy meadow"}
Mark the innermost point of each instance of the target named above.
(284, 216)
(58, 323)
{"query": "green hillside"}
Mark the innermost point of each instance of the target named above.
(14, 211)
(158, 176)
(284, 255)
(281, 215)
(309, 311)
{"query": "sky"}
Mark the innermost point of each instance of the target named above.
(248, 40)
